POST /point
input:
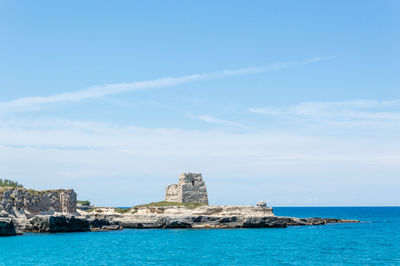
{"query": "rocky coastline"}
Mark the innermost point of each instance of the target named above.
(185, 206)
(149, 217)
(204, 217)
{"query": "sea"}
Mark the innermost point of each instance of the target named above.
(375, 241)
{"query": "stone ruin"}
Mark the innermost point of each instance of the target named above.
(190, 188)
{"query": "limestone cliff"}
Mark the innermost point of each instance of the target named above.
(20, 201)
(190, 188)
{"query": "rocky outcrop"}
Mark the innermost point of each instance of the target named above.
(7, 227)
(56, 224)
(64, 223)
(103, 224)
(190, 188)
(28, 202)
(50, 211)
(230, 210)
(315, 221)
(222, 222)
(185, 206)
(206, 217)
(227, 210)
(211, 221)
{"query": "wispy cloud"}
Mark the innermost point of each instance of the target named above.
(35, 102)
(345, 111)
(75, 154)
(213, 120)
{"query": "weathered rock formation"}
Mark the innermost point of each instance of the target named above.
(28, 202)
(204, 210)
(190, 188)
(205, 217)
(185, 206)
(7, 227)
(68, 223)
(103, 224)
(26, 210)
(55, 224)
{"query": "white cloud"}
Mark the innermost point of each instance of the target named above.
(35, 102)
(132, 165)
(259, 165)
(366, 111)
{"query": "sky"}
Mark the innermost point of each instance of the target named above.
(296, 103)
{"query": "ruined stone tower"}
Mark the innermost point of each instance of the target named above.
(190, 188)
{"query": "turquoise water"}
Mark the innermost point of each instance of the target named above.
(375, 242)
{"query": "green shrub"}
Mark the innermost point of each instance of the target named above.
(120, 210)
(83, 202)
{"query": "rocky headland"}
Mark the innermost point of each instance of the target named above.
(185, 206)
(28, 210)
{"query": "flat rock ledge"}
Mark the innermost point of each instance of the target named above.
(204, 217)
(105, 219)
(148, 222)
(65, 223)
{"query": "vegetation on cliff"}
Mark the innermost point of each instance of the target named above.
(83, 202)
(4, 187)
(9, 183)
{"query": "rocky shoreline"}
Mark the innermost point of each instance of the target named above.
(52, 211)
(205, 217)
(223, 222)
(84, 222)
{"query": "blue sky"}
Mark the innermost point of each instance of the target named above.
(291, 102)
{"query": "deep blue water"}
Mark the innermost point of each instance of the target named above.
(377, 241)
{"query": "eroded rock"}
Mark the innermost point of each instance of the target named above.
(20, 201)
(7, 227)
(55, 224)
(103, 224)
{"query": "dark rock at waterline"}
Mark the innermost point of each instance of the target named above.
(97, 224)
(178, 223)
(7, 227)
(263, 222)
(62, 223)
(204, 221)
(55, 224)
(314, 221)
